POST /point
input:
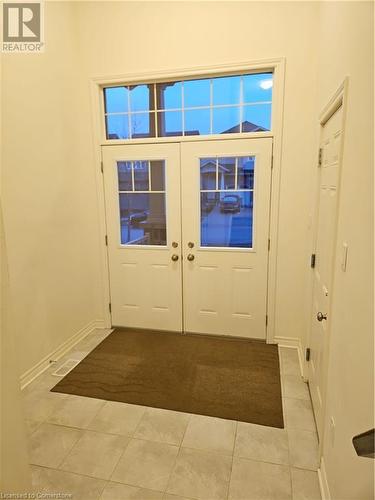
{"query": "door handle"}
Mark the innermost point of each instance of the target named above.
(190, 257)
(174, 257)
(320, 316)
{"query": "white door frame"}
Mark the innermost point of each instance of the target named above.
(97, 83)
(338, 99)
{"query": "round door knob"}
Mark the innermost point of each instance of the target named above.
(174, 257)
(190, 257)
(320, 316)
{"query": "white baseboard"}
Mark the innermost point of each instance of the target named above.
(27, 377)
(292, 343)
(323, 481)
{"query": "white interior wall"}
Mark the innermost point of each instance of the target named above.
(346, 49)
(48, 190)
(136, 37)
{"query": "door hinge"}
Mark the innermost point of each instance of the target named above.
(266, 319)
(307, 354)
(320, 157)
(312, 260)
(110, 307)
(106, 240)
(101, 167)
(269, 244)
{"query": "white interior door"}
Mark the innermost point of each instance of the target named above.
(225, 214)
(325, 241)
(142, 197)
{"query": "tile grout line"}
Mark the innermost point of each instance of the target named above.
(62, 471)
(140, 420)
(178, 454)
(231, 465)
(121, 455)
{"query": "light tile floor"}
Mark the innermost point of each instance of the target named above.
(95, 449)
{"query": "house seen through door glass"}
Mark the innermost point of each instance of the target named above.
(227, 185)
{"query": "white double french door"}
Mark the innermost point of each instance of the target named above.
(187, 229)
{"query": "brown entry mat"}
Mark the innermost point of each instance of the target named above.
(221, 377)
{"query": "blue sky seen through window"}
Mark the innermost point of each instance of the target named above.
(221, 105)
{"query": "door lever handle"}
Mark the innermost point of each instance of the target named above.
(320, 316)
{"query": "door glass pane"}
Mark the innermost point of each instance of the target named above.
(227, 173)
(142, 219)
(245, 175)
(208, 168)
(157, 175)
(227, 212)
(141, 176)
(124, 173)
(227, 219)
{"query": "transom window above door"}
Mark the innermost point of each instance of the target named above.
(233, 104)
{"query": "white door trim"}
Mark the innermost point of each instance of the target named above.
(338, 99)
(277, 65)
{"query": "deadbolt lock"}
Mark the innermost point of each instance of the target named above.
(174, 244)
(191, 244)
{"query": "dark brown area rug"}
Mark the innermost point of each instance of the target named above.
(221, 377)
